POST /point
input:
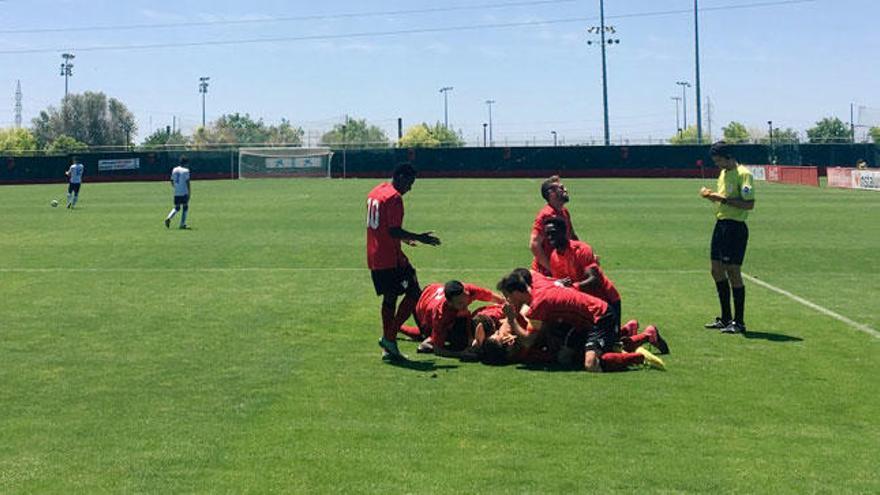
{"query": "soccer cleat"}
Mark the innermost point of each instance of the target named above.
(390, 347)
(734, 327)
(68, 206)
(651, 360)
(184, 227)
(167, 223)
(656, 340)
(718, 324)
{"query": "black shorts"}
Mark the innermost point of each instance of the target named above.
(604, 334)
(73, 188)
(618, 310)
(396, 281)
(181, 200)
(729, 240)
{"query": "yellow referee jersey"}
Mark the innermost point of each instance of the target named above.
(735, 184)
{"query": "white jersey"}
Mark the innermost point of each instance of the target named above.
(76, 173)
(180, 179)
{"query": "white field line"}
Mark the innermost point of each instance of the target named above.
(825, 311)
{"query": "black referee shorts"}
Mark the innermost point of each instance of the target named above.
(73, 187)
(729, 240)
(396, 281)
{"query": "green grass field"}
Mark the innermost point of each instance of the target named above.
(241, 356)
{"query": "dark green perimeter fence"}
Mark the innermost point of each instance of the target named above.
(569, 161)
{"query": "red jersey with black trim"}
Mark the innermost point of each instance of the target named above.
(384, 212)
(437, 317)
(538, 228)
(541, 281)
(563, 305)
(574, 263)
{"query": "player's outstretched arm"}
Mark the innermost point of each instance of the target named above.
(425, 237)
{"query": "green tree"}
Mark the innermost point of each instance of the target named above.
(162, 138)
(736, 132)
(875, 134)
(425, 136)
(829, 130)
(688, 136)
(236, 128)
(17, 140)
(66, 144)
(285, 134)
(89, 118)
(782, 136)
(356, 132)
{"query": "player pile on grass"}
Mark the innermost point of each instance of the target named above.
(563, 312)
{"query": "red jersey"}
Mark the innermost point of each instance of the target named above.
(574, 263)
(435, 316)
(496, 313)
(538, 228)
(563, 305)
(384, 212)
(541, 281)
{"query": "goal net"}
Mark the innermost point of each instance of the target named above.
(255, 163)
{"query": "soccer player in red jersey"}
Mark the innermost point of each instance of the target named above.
(390, 269)
(556, 195)
(581, 312)
(574, 260)
(442, 312)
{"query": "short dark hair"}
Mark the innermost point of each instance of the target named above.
(721, 148)
(488, 323)
(511, 283)
(557, 222)
(547, 185)
(404, 170)
(184, 160)
(493, 353)
(452, 289)
(525, 273)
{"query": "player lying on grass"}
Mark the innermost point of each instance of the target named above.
(442, 317)
(589, 321)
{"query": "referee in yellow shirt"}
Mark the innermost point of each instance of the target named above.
(733, 200)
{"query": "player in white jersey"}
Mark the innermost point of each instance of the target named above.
(74, 176)
(180, 183)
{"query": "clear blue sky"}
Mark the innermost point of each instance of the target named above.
(792, 63)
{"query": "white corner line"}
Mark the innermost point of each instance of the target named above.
(825, 311)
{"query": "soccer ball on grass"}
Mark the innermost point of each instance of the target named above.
(54, 203)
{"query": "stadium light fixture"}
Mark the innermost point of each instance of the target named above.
(602, 30)
(203, 89)
(67, 69)
(684, 106)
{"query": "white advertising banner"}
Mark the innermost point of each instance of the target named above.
(866, 179)
(124, 164)
(757, 172)
(294, 162)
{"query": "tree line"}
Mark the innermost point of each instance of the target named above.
(92, 120)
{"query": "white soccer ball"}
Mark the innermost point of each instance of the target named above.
(54, 203)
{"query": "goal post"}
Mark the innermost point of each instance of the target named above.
(255, 163)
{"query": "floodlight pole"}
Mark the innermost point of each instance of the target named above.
(67, 69)
(697, 74)
(684, 106)
(677, 100)
(484, 133)
(203, 89)
(444, 91)
(489, 103)
(554, 137)
(604, 72)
